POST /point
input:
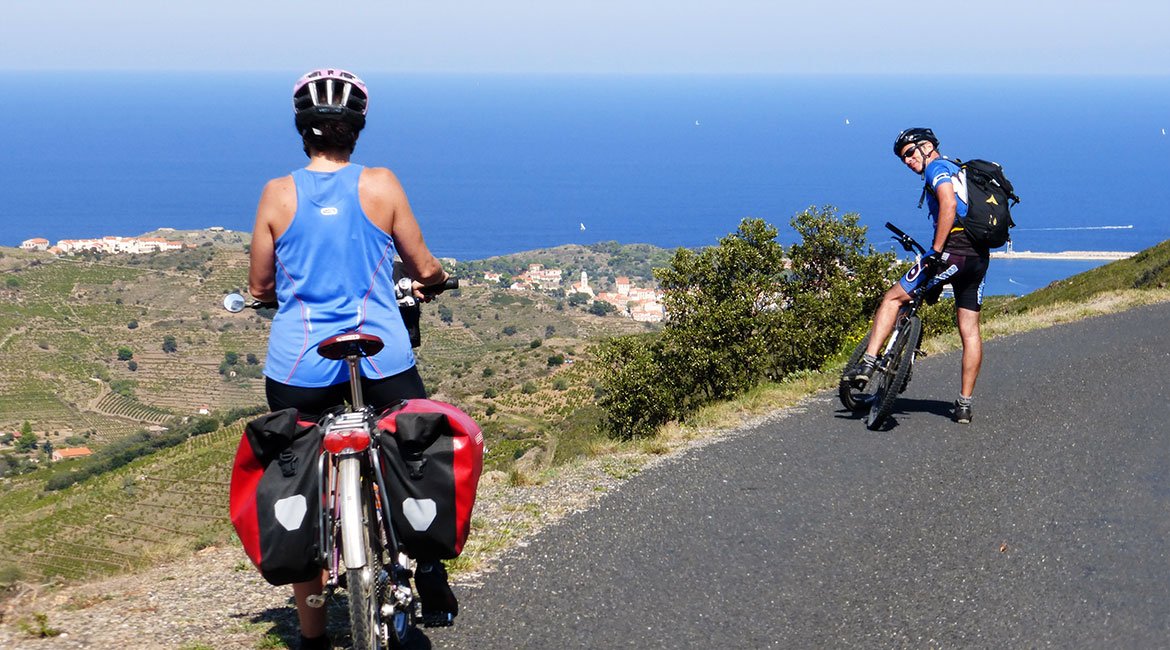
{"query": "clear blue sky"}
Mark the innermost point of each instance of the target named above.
(594, 36)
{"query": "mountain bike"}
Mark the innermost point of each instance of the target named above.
(360, 548)
(896, 362)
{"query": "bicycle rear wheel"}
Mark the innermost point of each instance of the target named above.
(369, 587)
(893, 371)
(852, 398)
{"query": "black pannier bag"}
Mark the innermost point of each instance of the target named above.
(432, 457)
(275, 497)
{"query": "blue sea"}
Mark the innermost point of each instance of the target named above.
(500, 164)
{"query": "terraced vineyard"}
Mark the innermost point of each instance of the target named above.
(82, 353)
(123, 407)
(167, 504)
(76, 329)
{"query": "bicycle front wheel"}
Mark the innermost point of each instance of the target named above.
(894, 371)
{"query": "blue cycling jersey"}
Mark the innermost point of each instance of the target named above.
(939, 172)
(334, 274)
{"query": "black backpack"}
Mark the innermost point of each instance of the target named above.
(990, 197)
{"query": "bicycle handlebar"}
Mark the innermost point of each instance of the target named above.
(436, 289)
(236, 303)
(905, 240)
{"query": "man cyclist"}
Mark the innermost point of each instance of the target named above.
(953, 258)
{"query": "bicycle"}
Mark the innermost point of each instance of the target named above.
(360, 548)
(895, 364)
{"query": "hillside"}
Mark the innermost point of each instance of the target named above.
(87, 360)
(487, 350)
(97, 347)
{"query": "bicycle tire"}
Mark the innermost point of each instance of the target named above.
(894, 372)
(367, 587)
(852, 398)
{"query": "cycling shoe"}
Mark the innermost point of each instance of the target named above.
(439, 605)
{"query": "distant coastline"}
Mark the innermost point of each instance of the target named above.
(1064, 255)
(225, 236)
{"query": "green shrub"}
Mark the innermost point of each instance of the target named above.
(743, 312)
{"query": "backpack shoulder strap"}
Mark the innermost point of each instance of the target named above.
(926, 183)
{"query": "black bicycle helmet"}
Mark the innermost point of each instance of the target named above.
(329, 94)
(912, 136)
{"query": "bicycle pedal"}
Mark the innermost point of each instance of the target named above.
(438, 619)
(920, 353)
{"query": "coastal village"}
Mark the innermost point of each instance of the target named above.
(639, 303)
(108, 244)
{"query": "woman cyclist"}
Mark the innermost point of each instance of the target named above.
(323, 248)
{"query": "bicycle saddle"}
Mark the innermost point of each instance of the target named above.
(350, 344)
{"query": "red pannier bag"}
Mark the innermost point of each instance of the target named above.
(432, 456)
(276, 498)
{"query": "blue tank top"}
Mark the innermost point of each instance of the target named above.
(334, 274)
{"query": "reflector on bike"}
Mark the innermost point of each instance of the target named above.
(340, 440)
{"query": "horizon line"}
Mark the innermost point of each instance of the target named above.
(593, 73)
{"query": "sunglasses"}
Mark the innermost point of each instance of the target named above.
(909, 153)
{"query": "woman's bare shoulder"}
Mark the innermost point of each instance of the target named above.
(279, 198)
(282, 184)
(381, 181)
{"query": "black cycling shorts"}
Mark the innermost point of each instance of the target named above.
(965, 273)
(312, 402)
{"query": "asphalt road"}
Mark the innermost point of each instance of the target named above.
(1044, 523)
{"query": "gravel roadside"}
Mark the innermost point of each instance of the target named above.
(215, 599)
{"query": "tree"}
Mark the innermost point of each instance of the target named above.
(836, 282)
(28, 440)
(132, 325)
(445, 314)
(125, 354)
(251, 359)
(723, 308)
(169, 344)
(132, 366)
(230, 360)
(556, 360)
(743, 312)
(601, 308)
(636, 394)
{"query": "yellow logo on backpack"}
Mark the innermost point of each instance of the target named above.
(991, 200)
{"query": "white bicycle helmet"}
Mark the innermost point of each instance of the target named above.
(329, 94)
